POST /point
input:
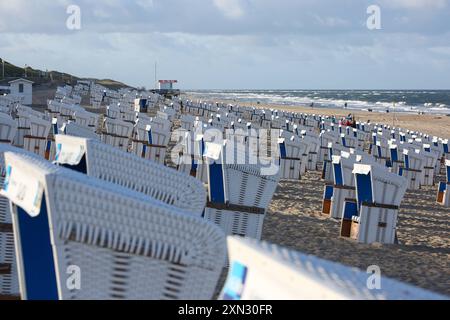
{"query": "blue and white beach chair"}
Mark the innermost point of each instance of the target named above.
(262, 271)
(372, 217)
(238, 194)
(443, 196)
(105, 162)
(82, 238)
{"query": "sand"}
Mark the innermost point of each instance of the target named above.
(422, 257)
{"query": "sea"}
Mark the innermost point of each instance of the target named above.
(410, 101)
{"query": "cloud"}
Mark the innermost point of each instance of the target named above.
(235, 43)
(417, 4)
(230, 8)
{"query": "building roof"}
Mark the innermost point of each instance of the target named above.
(168, 81)
(21, 80)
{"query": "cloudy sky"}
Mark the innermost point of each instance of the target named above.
(236, 44)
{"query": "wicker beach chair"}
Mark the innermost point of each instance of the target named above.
(343, 187)
(117, 133)
(37, 140)
(8, 128)
(262, 271)
(9, 281)
(443, 196)
(238, 194)
(74, 129)
(104, 162)
(291, 153)
(150, 142)
(123, 244)
(413, 169)
(431, 162)
(372, 217)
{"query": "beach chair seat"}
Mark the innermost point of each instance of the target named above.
(126, 245)
(8, 128)
(262, 271)
(373, 217)
(238, 194)
(105, 162)
(117, 133)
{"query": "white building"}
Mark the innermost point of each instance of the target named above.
(22, 88)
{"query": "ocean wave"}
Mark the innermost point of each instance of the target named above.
(376, 100)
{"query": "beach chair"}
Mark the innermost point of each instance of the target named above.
(343, 187)
(8, 128)
(431, 162)
(327, 169)
(150, 142)
(124, 244)
(87, 119)
(37, 140)
(413, 169)
(372, 216)
(113, 112)
(313, 153)
(117, 133)
(395, 160)
(104, 162)
(326, 137)
(291, 153)
(238, 194)
(262, 271)
(9, 281)
(74, 129)
(443, 196)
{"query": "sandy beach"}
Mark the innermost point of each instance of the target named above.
(422, 257)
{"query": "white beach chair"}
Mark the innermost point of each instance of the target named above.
(37, 140)
(262, 271)
(87, 119)
(291, 153)
(74, 129)
(313, 153)
(343, 188)
(104, 162)
(118, 243)
(117, 133)
(9, 281)
(443, 196)
(150, 142)
(238, 194)
(373, 216)
(8, 128)
(431, 162)
(413, 169)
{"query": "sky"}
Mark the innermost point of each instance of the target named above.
(236, 44)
